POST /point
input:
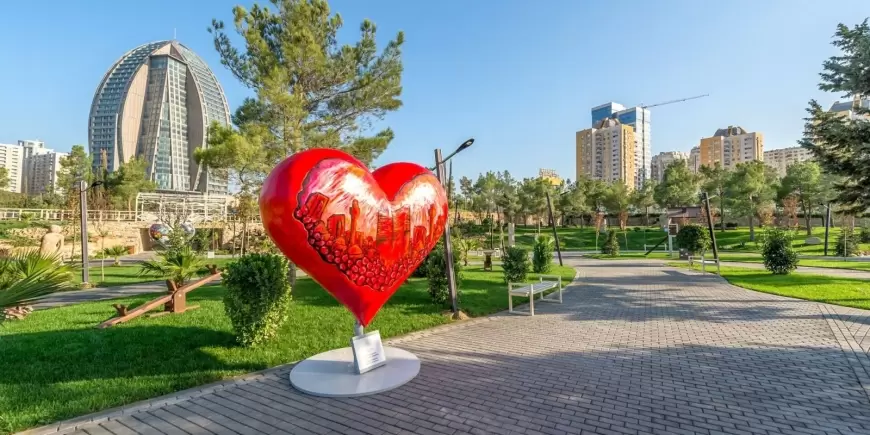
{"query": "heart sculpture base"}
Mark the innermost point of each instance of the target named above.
(332, 374)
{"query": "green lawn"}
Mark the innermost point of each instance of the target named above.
(833, 263)
(54, 365)
(127, 273)
(820, 288)
(734, 240)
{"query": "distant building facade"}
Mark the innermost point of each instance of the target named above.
(12, 158)
(41, 173)
(731, 146)
(782, 158)
(606, 152)
(695, 159)
(661, 161)
(639, 119)
(157, 102)
(847, 108)
(550, 176)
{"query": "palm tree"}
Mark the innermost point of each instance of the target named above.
(115, 252)
(27, 276)
(174, 265)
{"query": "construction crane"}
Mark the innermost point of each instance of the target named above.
(643, 108)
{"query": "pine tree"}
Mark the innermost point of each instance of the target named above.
(840, 145)
(311, 92)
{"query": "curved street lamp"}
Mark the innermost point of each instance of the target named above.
(448, 248)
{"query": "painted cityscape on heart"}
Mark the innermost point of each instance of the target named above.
(352, 225)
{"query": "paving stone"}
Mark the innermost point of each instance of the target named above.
(635, 348)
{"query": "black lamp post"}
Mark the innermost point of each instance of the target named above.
(83, 200)
(448, 247)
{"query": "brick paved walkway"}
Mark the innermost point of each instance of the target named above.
(637, 348)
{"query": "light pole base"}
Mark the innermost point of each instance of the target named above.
(332, 374)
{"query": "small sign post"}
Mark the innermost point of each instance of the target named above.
(368, 352)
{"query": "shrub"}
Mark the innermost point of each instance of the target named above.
(542, 254)
(257, 298)
(636, 229)
(422, 270)
(779, 256)
(731, 225)
(847, 244)
(611, 245)
(115, 252)
(865, 235)
(177, 265)
(694, 238)
(436, 274)
(515, 263)
(28, 275)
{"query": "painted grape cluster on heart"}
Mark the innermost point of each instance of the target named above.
(358, 260)
(359, 234)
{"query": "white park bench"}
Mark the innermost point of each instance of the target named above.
(704, 263)
(529, 290)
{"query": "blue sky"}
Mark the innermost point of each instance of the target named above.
(518, 76)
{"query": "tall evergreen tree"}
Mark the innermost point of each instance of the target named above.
(752, 189)
(803, 182)
(841, 145)
(715, 182)
(311, 92)
(644, 198)
(679, 186)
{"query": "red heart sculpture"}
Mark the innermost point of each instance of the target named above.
(359, 234)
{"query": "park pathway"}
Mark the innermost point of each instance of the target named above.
(60, 299)
(636, 348)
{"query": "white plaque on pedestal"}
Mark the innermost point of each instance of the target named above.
(368, 352)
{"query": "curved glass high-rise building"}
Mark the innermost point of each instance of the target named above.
(157, 102)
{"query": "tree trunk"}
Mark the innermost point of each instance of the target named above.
(244, 237)
(646, 218)
(291, 274)
(721, 212)
(808, 217)
(751, 228)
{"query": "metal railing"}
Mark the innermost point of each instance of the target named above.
(46, 214)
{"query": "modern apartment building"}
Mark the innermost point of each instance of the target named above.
(157, 102)
(639, 119)
(661, 161)
(695, 159)
(782, 158)
(731, 146)
(606, 152)
(12, 158)
(847, 108)
(41, 172)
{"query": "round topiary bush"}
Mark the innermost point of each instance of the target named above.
(611, 245)
(779, 256)
(693, 238)
(257, 297)
(515, 263)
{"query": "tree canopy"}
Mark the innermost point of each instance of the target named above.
(311, 92)
(679, 186)
(842, 145)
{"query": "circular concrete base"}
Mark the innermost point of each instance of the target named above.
(331, 374)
